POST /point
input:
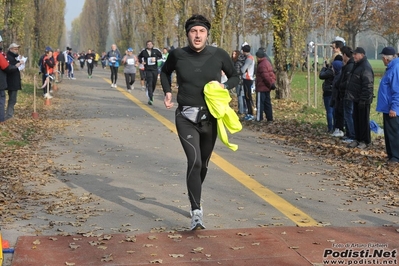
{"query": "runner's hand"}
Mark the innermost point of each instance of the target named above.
(168, 100)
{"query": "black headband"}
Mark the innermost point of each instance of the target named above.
(196, 23)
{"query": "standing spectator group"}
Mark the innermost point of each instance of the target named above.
(348, 94)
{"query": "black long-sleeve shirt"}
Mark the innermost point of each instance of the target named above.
(194, 70)
(146, 54)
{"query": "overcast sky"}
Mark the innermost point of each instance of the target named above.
(73, 10)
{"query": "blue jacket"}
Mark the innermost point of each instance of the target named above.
(388, 92)
(113, 58)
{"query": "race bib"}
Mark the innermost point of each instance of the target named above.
(130, 61)
(89, 61)
(151, 61)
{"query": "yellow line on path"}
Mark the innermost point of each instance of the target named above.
(299, 217)
(289, 210)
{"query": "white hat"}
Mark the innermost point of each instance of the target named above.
(14, 45)
(1, 39)
(339, 39)
(245, 43)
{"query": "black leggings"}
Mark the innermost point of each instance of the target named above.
(114, 74)
(198, 141)
(90, 69)
(248, 94)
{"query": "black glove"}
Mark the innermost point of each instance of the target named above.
(273, 87)
(362, 104)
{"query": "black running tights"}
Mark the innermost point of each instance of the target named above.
(198, 141)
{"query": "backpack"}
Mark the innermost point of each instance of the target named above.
(42, 67)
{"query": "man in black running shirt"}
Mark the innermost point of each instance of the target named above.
(90, 62)
(149, 58)
(196, 65)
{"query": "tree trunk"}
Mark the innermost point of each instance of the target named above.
(283, 90)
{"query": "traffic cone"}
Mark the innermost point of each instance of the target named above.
(35, 115)
(47, 101)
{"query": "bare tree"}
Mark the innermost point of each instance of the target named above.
(355, 16)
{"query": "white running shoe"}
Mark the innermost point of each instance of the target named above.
(197, 220)
(112, 85)
(191, 212)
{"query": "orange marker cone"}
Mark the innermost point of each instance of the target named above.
(5, 243)
(47, 101)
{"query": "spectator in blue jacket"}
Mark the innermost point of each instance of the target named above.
(388, 103)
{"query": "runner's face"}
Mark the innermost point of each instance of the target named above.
(150, 45)
(197, 37)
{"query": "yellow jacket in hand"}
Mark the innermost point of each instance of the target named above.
(217, 99)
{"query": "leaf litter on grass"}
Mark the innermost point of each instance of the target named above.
(364, 172)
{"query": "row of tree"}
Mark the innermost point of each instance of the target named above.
(130, 23)
(34, 24)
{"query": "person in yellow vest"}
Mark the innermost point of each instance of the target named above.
(96, 58)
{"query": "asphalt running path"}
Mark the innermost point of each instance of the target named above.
(125, 161)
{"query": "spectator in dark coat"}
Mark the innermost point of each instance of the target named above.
(264, 83)
(5, 68)
(239, 60)
(13, 79)
(361, 91)
(342, 86)
(327, 74)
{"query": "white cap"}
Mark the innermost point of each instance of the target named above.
(1, 39)
(14, 45)
(245, 43)
(339, 39)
